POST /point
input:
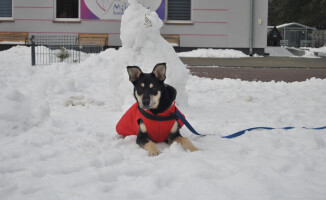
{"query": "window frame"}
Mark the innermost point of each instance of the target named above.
(12, 14)
(56, 19)
(171, 21)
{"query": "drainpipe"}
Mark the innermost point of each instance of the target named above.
(284, 36)
(251, 33)
(306, 36)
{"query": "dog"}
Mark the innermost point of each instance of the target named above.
(152, 118)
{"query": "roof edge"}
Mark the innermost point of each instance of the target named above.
(294, 23)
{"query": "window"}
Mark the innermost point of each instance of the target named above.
(6, 9)
(179, 10)
(67, 10)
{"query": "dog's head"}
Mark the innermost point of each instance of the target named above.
(148, 86)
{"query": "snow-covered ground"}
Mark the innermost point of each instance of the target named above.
(58, 139)
(278, 51)
(12, 42)
(213, 53)
(231, 53)
(321, 50)
(285, 52)
(51, 149)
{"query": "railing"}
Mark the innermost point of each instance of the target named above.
(320, 37)
(284, 43)
(48, 49)
(307, 43)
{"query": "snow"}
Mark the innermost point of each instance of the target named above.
(278, 51)
(309, 54)
(140, 36)
(231, 53)
(58, 139)
(214, 53)
(321, 50)
(295, 24)
(12, 42)
(284, 52)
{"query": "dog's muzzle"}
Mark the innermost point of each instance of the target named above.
(146, 102)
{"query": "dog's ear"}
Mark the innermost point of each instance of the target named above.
(159, 71)
(134, 73)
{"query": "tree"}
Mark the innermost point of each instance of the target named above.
(308, 12)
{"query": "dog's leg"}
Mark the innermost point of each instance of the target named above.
(175, 136)
(144, 141)
(186, 143)
(120, 137)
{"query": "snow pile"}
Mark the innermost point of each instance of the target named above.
(213, 53)
(278, 51)
(143, 46)
(58, 138)
(12, 42)
(321, 51)
(286, 52)
(309, 54)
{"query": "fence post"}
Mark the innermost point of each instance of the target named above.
(324, 42)
(33, 50)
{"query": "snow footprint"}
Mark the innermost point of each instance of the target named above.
(80, 100)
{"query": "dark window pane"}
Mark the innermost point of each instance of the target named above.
(5, 8)
(179, 10)
(67, 9)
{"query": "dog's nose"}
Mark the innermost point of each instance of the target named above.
(146, 102)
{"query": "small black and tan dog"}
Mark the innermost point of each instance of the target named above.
(153, 117)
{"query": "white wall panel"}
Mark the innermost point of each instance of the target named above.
(216, 23)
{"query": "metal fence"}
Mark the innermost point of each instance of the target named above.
(320, 37)
(307, 43)
(48, 49)
(284, 43)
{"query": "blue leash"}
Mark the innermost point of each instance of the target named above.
(188, 125)
(266, 128)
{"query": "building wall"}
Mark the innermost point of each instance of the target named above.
(216, 23)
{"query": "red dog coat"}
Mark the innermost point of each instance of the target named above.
(158, 131)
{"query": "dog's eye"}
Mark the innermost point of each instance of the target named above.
(153, 92)
(140, 90)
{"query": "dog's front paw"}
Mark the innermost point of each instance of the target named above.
(120, 137)
(186, 143)
(151, 148)
(192, 149)
(154, 153)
